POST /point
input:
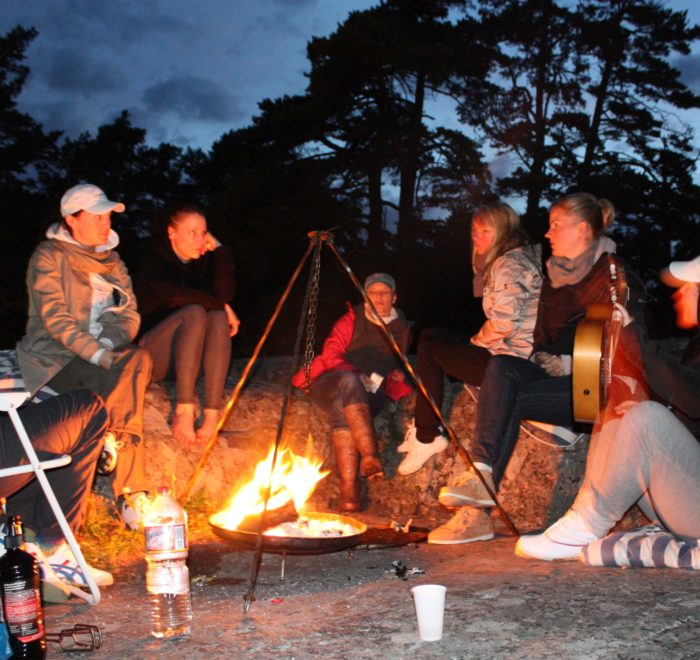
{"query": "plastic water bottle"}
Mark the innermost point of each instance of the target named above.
(21, 599)
(167, 577)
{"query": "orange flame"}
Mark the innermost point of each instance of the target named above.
(294, 479)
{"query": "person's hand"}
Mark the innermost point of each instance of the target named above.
(625, 407)
(621, 314)
(552, 364)
(233, 321)
(108, 358)
(210, 244)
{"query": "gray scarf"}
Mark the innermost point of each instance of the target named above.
(565, 272)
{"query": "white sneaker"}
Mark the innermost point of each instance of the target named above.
(563, 540)
(132, 509)
(53, 588)
(107, 462)
(66, 567)
(420, 452)
(409, 439)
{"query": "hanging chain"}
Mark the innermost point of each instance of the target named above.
(311, 316)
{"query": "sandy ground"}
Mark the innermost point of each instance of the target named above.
(351, 604)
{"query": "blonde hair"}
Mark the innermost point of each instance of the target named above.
(506, 225)
(598, 214)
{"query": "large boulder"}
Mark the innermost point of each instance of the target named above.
(540, 482)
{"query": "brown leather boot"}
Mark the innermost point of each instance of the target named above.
(346, 461)
(362, 429)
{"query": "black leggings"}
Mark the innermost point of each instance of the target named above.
(188, 341)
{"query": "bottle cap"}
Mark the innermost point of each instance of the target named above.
(15, 533)
(163, 490)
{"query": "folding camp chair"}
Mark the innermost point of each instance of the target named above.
(10, 401)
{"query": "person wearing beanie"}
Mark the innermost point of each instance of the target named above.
(352, 377)
(645, 450)
(82, 320)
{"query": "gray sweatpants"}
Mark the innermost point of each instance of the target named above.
(648, 458)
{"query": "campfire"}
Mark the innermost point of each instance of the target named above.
(293, 481)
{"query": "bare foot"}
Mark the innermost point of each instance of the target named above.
(183, 424)
(209, 422)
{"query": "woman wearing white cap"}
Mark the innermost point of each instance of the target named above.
(82, 319)
(645, 453)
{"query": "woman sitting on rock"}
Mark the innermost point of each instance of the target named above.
(184, 285)
(646, 453)
(82, 318)
(508, 275)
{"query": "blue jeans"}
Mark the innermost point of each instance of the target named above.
(514, 389)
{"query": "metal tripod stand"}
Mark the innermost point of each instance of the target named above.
(307, 320)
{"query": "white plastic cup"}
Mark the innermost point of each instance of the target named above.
(430, 608)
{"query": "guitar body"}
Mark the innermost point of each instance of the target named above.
(594, 348)
(596, 337)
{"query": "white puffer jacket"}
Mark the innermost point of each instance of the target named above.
(511, 296)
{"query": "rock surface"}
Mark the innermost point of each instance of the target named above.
(540, 483)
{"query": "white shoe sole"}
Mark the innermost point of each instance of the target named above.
(547, 550)
(483, 537)
(524, 555)
(456, 499)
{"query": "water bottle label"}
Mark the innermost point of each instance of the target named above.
(168, 579)
(166, 538)
(23, 610)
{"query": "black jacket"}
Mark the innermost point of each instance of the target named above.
(163, 283)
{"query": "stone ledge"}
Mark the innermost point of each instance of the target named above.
(540, 483)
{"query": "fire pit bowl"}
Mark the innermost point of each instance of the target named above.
(298, 545)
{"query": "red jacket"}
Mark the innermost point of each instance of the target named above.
(332, 356)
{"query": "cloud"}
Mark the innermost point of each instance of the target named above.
(689, 66)
(70, 71)
(192, 98)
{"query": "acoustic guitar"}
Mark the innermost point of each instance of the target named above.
(594, 348)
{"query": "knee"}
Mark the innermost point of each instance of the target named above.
(89, 405)
(350, 388)
(138, 359)
(504, 369)
(649, 418)
(217, 320)
(194, 314)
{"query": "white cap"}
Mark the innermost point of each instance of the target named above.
(687, 271)
(86, 197)
(678, 273)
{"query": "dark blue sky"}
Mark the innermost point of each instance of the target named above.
(187, 71)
